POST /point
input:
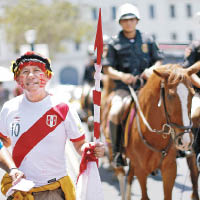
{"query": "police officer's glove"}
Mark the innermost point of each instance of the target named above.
(128, 78)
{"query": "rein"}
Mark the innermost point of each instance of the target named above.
(171, 124)
(163, 131)
(163, 151)
(167, 128)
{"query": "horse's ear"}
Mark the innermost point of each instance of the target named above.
(194, 68)
(162, 73)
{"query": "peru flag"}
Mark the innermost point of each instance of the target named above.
(89, 183)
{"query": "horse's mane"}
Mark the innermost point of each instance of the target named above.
(176, 74)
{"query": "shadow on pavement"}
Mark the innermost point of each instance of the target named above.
(181, 186)
(108, 176)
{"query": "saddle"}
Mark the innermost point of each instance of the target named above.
(129, 122)
(126, 120)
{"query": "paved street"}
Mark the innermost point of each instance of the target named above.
(182, 188)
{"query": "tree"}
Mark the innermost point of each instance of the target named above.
(54, 23)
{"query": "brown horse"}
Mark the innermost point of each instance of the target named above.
(161, 126)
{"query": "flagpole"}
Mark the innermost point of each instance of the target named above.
(97, 76)
(89, 184)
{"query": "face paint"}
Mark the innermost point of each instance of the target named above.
(43, 81)
(20, 81)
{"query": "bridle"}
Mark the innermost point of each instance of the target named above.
(170, 124)
(167, 128)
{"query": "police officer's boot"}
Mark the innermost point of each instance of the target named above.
(196, 145)
(116, 136)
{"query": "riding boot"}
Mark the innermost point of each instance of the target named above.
(116, 137)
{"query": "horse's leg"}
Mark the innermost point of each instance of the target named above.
(121, 178)
(168, 176)
(142, 178)
(194, 174)
(129, 182)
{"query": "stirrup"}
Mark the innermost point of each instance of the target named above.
(184, 154)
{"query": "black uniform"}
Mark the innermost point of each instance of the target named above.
(132, 55)
(88, 76)
(192, 57)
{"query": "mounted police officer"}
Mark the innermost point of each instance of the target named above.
(130, 56)
(192, 55)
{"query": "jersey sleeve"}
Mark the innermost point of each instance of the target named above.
(4, 135)
(74, 128)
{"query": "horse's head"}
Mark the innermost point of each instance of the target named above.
(176, 96)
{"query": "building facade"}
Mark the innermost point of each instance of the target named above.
(169, 21)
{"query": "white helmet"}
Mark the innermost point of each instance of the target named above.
(127, 11)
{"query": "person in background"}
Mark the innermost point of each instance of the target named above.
(38, 124)
(86, 111)
(4, 94)
(132, 56)
(88, 77)
(192, 56)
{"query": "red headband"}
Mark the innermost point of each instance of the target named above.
(32, 63)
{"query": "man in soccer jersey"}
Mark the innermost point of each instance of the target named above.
(38, 124)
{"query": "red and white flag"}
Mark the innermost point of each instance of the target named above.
(89, 183)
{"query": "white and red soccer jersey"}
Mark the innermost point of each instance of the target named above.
(38, 133)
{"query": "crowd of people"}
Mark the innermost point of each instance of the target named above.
(37, 124)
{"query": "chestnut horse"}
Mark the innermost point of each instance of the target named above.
(161, 126)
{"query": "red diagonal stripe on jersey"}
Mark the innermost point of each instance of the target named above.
(37, 132)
